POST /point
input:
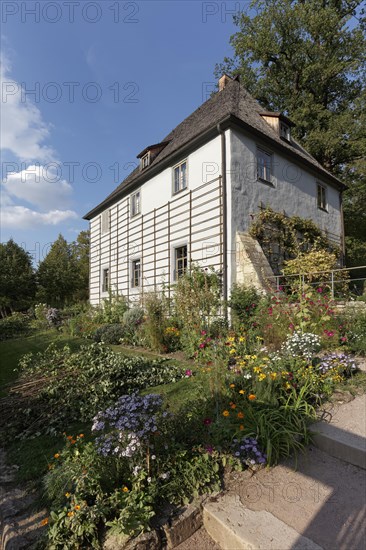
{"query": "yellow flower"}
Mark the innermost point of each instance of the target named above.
(226, 413)
(287, 386)
(261, 377)
(240, 415)
(242, 392)
(253, 357)
(125, 489)
(232, 386)
(252, 397)
(57, 455)
(67, 495)
(265, 358)
(70, 514)
(257, 369)
(273, 375)
(232, 351)
(241, 339)
(231, 339)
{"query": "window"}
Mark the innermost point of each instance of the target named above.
(180, 261)
(145, 161)
(106, 220)
(135, 273)
(180, 177)
(285, 131)
(105, 279)
(135, 204)
(264, 163)
(322, 197)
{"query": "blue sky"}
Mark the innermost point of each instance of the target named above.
(108, 78)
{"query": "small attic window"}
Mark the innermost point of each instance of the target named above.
(285, 131)
(145, 161)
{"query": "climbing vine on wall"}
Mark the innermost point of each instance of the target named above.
(283, 237)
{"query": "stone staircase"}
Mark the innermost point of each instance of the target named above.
(316, 503)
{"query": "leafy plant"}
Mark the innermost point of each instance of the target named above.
(243, 303)
(109, 334)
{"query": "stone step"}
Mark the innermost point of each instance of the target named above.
(343, 435)
(233, 526)
(314, 502)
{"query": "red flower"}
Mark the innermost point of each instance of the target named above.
(207, 421)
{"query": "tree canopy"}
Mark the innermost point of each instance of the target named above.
(17, 278)
(307, 58)
(63, 275)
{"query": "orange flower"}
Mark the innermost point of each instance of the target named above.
(69, 437)
(73, 441)
(226, 413)
(77, 507)
(232, 386)
(233, 406)
(44, 521)
(70, 514)
(125, 489)
(252, 397)
(240, 415)
(81, 435)
(57, 455)
(241, 427)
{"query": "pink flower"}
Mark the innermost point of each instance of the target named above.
(291, 326)
(207, 421)
(202, 346)
(344, 339)
(270, 311)
(319, 289)
(203, 332)
(188, 373)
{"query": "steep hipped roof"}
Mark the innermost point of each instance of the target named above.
(234, 105)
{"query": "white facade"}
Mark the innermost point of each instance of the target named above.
(194, 216)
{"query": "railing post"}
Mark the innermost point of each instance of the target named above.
(332, 284)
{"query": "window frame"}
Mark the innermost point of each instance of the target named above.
(134, 271)
(285, 132)
(105, 278)
(176, 270)
(263, 153)
(321, 197)
(143, 164)
(132, 197)
(105, 221)
(175, 167)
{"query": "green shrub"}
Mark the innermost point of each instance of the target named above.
(357, 334)
(14, 326)
(74, 386)
(243, 303)
(155, 320)
(109, 334)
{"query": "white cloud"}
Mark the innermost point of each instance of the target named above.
(23, 130)
(20, 217)
(39, 185)
(23, 133)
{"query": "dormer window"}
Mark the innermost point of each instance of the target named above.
(285, 131)
(145, 161)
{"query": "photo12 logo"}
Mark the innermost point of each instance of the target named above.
(70, 11)
(221, 11)
(69, 92)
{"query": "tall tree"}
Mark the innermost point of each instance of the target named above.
(57, 274)
(81, 251)
(17, 278)
(307, 58)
